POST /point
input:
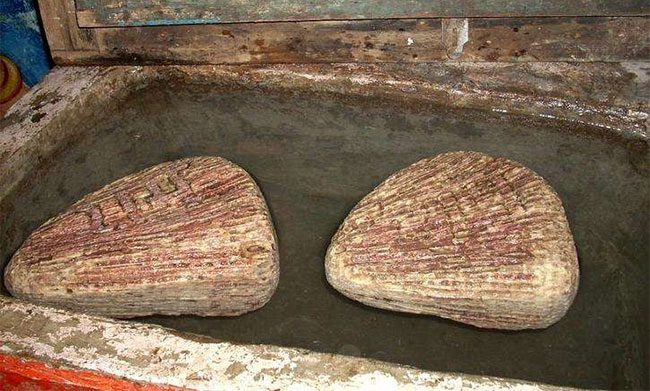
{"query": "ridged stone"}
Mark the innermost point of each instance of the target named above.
(464, 236)
(192, 236)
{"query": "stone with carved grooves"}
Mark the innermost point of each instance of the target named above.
(192, 236)
(465, 236)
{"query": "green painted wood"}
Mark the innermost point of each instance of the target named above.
(104, 13)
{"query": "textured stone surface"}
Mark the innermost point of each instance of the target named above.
(192, 236)
(464, 236)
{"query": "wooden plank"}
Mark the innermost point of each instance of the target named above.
(55, 23)
(82, 39)
(558, 39)
(61, 29)
(408, 40)
(363, 41)
(103, 13)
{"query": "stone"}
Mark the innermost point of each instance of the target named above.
(464, 236)
(191, 236)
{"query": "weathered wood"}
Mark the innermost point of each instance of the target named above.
(411, 40)
(465, 236)
(340, 41)
(192, 236)
(408, 40)
(55, 23)
(60, 24)
(104, 13)
(558, 39)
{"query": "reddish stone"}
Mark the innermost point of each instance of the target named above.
(465, 236)
(192, 236)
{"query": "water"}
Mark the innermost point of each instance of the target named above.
(315, 156)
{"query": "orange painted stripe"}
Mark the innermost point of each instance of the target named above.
(19, 374)
(12, 82)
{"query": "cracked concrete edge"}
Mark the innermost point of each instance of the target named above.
(559, 92)
(48, 116)
(152, 354)
(44, 119)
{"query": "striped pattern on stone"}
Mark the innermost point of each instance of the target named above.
(192, 236)
(465, 236)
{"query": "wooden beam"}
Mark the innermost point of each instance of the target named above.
(61, 29)
(116, 13)
(588, 39)
(409, 40)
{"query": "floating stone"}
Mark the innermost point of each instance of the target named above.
(192, 236)
(464, 236)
